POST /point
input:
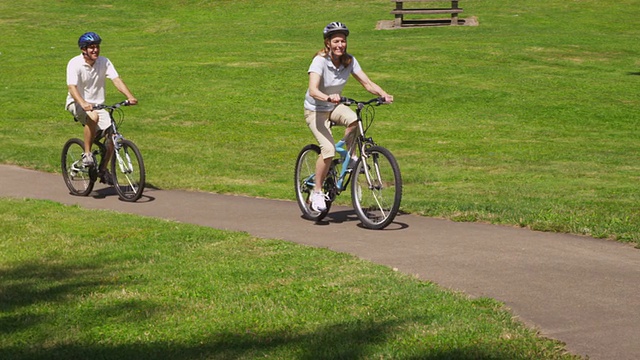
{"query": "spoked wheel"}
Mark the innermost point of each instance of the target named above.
(128, 172)
(304, 180)
(78, 178)
(376, 188)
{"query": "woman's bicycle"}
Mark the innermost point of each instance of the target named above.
(376, 184)
(127, 168)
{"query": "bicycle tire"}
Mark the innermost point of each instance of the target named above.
(376, 205)
(78, 178)
(305, 171)
(128, 172)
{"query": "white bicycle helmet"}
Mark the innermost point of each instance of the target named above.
(335, 27)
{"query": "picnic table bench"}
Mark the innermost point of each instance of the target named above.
(400, 11)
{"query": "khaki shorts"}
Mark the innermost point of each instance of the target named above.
(79, 114)
(320, 124)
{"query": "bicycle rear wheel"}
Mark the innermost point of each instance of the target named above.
(78, 178)
(376, 199)
(304, 180)
(127, 169)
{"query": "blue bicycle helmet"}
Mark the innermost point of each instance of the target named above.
(335, 27)
(89, 38)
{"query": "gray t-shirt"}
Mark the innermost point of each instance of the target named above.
(332, 81)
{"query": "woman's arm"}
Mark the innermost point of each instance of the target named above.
(372, 87)
(314, 88)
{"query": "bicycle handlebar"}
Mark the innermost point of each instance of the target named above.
(349, 101)
(114, 106)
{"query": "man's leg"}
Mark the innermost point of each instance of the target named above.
(107, 156)
(90, 130)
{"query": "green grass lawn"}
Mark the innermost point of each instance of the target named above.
(80, 284)
(529, 119)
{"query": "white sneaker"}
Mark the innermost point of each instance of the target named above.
(317, 201)
(87, 159)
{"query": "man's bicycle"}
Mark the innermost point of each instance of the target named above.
(376, 184)
(127, 167)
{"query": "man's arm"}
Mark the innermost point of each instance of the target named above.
(75, 94)
(122, 87)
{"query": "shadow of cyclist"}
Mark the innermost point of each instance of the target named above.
(104, 192)
(339, 217)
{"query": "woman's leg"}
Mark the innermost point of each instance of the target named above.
(319, 124)
(322, 168)
(350, 137)
(343, 115)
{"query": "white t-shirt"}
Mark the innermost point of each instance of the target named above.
(90, 80)
(332, 81)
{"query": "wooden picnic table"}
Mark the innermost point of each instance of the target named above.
(400, 11)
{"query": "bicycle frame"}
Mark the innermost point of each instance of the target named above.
(111, 135)
(112, 131)
(341, 180)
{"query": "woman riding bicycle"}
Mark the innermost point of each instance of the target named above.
(328, 74)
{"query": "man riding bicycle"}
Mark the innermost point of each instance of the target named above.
(86, 77)
(328, 75)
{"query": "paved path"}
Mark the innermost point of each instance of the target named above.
(583, 291)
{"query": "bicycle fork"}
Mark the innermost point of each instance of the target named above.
(125, 164)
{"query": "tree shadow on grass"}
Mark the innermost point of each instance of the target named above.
(41, 282)
(340, 341)
(32, 283)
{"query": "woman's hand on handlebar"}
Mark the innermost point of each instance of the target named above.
(388, 99)
(334, 98)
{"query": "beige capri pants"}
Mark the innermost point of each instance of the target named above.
(320, 124)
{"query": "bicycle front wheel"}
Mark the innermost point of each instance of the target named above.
(78, 178)
(304, 180)
(376, 188)
(127, 169)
